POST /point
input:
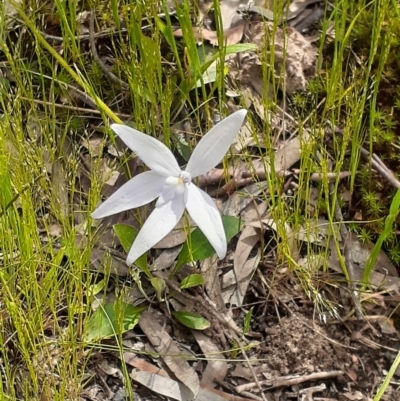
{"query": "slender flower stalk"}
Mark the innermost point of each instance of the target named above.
(172, 186)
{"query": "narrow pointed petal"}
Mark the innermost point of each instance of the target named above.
(213, 146)
(160, 222)
(205, 214)
(137, 192)
(151, 151)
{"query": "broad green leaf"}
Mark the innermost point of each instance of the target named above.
(193, 280)
(191, 320)
(127, 234)
(112, 319)
(200, 248)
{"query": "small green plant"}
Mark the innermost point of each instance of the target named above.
(364, 235)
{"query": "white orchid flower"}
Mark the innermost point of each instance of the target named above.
(173, 187)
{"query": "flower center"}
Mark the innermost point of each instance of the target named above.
(174, 186)
(185, 177)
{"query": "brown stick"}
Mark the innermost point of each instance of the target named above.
(286, 381)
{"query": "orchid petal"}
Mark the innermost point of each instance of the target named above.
(213, 146)
(205, 214)
(137, 192)
(160, 222)
(151, 151)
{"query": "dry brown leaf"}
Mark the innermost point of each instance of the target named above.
(99, 259)
(253, 211)
(294, 59)
(10, 12)
(94, 144)
(223, 396)
(317, 231)
(238, 201)
(234, 289)
(387, 325)
(162, 385)
(231, 36)
(249, 237)
(217, 367)
(360, 254)
(167, 258)
(209, 269)
(243, 138)
(229, 13)
(177, 391)
(377, 279)
(355, 396)
(204, 393)
(286, 156)
(109, 368)
(243, 371)
(169, 351)
(176, 237)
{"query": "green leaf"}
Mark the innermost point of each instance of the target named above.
(193, 280)
(4, 88)
(191, 320)
(6, 193)
(181, 146)
(210, 75)
(247, 320)
(159, 286)
(127, 234)
(112, 319)
(232, 49)
(187, 84)
(96, 288)
(387, 230)
(209, 57)
(200, 248)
